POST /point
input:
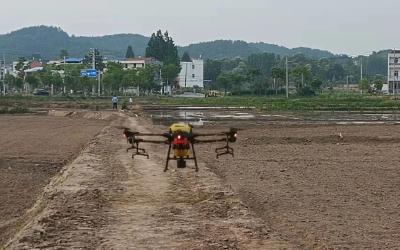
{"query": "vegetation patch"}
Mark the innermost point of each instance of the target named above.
(14, 110)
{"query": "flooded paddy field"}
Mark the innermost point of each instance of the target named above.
(200, 116)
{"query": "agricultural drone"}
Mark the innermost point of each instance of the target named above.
(181, 140)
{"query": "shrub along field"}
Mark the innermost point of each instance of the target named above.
(322, 102)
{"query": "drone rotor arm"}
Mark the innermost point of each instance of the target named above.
(210, 141)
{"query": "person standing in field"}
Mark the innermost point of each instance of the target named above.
(115, 102)
(130, 102)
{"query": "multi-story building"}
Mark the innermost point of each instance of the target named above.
(30, 66)
(393, 83)
(71, 60)
(136, 63)
(192, 74)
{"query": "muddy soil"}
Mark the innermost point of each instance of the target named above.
(32, 150)
(106, 200)
(319, 186)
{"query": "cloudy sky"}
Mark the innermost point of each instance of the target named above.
(341, 26)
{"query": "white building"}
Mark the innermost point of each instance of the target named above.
(135, 63)
(192, 74)
(393, 83)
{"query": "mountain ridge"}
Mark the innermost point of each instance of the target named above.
(48, 41)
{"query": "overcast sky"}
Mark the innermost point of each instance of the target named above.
(341, 26)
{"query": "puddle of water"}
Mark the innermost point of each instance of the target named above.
(361, 123)
(198, 116)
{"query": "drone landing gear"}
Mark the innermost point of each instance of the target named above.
(139, 151)
(226, 150)
(181, 162)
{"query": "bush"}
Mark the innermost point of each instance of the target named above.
(124, 105)
(15, 110)
(306, 91)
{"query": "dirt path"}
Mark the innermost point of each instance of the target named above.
(106, 200)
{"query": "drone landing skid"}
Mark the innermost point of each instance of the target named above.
(226, 150)
(181, 161)
(139, 151)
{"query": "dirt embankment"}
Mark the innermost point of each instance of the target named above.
(320, 186)
(106, 200)
(33, 149)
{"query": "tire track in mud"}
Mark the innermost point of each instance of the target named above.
(106, 200)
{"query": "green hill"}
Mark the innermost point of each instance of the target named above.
(49, 41)
(230, 49)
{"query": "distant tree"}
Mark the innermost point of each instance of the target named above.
(98, 57)
(148, 82)
(10, 80)
(277, 73)
(162, 48)
(305, 91)
(21, 66)
(129, 52)
(33, 80)
(50, 78)
(130, 78)
(212, 69)
(64, 53)
(378, 84)
(303, 73)
(364, 85)
(263, 62)
(19, 83)
(72, 79)
(316, 84)
(223, 81)
(335, 71)
(186, 57)
(169, 72)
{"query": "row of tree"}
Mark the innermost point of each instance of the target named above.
(115, 78)
(260, 74)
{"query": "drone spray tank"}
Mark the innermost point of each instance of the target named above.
(181, 145)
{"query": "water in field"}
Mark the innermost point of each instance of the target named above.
(199, 116)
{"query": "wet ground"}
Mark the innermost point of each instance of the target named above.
(200, 116)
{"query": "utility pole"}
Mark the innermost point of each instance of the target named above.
(4, 74)
(287, 79)
(361, 73)
(394, 73)
(99, 82)
(161, 82)
(361, 68)
(64, 89)
(348, 85)
(186, 74)
(93, 59)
